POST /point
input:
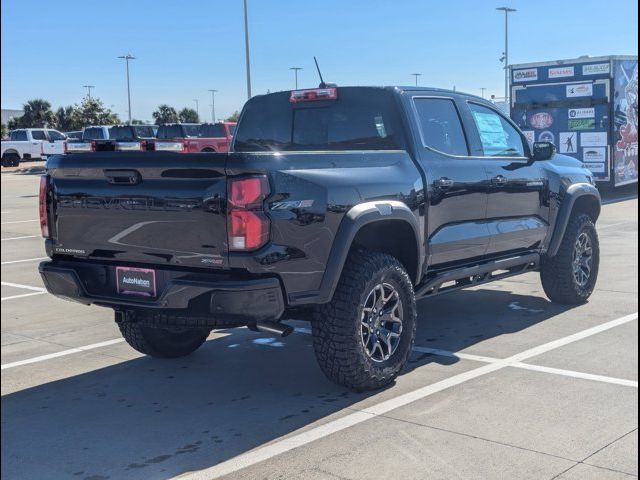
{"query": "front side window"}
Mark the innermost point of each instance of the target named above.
(55, 136)
(441, 126)
(38, 135)
(498, 137)
(213, 131)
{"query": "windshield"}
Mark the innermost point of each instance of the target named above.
(360, 119)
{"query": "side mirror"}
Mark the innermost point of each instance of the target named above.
(543, 150)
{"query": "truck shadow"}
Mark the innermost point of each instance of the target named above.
(146, 418)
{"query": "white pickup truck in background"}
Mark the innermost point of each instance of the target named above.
(31, 144)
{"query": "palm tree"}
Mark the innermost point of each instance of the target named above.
(37, 113)
(165, 114)
(65, 119)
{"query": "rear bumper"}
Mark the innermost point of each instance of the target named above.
(211, 295)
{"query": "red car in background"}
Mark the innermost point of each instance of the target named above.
(194, 137)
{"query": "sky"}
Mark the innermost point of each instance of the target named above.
(184, 48)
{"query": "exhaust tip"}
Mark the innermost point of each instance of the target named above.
(277, 328)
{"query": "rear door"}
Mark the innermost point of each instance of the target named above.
(457, 183)
(517, 213)
(141, 208)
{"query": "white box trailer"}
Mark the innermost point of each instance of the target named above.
(587, 106)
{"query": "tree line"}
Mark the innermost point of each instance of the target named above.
(91, 111)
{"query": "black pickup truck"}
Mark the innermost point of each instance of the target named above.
(340, 205)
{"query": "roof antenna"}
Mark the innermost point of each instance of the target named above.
(322, 84)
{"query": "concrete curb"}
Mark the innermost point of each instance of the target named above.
(24, 169)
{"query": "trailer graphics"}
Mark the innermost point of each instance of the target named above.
(626, 123)
(587, 106)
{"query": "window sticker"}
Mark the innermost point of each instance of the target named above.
(491, 132)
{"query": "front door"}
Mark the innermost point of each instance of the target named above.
(517, 207)
(456, 184)
(54, 145)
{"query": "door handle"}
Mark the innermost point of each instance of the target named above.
(499, 180)
(444, 183)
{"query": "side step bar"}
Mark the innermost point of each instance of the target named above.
(477, 275)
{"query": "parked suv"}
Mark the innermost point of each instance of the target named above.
(342, 206)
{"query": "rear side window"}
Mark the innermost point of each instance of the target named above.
(93, 134)
(440, 126)
(213, 131)
(360, 119)
(18, 135)
(38, 135)
(499, 138)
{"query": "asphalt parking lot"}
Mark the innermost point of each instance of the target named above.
(502, 384)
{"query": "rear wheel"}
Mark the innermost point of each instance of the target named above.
(363, 337)
(10, 160)
(163, 342)
(570, 277)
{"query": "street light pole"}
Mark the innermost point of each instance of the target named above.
(197, 107)
(296, 70)
(416, 75)
(126, 58)
(246, 47)
(89, 87)
(506, 11)
(483, 89)
(213, 105)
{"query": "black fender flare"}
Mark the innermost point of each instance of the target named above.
(356, 218)
(573, 193)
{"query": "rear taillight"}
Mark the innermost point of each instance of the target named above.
(43, 205)
(248, 225)
(143, 145)
(313, 95)
(94, 145)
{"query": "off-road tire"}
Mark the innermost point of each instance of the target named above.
(558, 279)
(337, 328)
(163, 342)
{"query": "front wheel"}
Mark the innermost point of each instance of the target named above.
(363, 337)
(163, 342)
(570, 277)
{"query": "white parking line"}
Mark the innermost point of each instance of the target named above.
(25, 260)
(571, 373)
(26, 287)
(13, 297)
(21, 238)
(279, 447)
(18, 221)
(63, 353)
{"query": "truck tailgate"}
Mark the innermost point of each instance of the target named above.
(158, 209)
